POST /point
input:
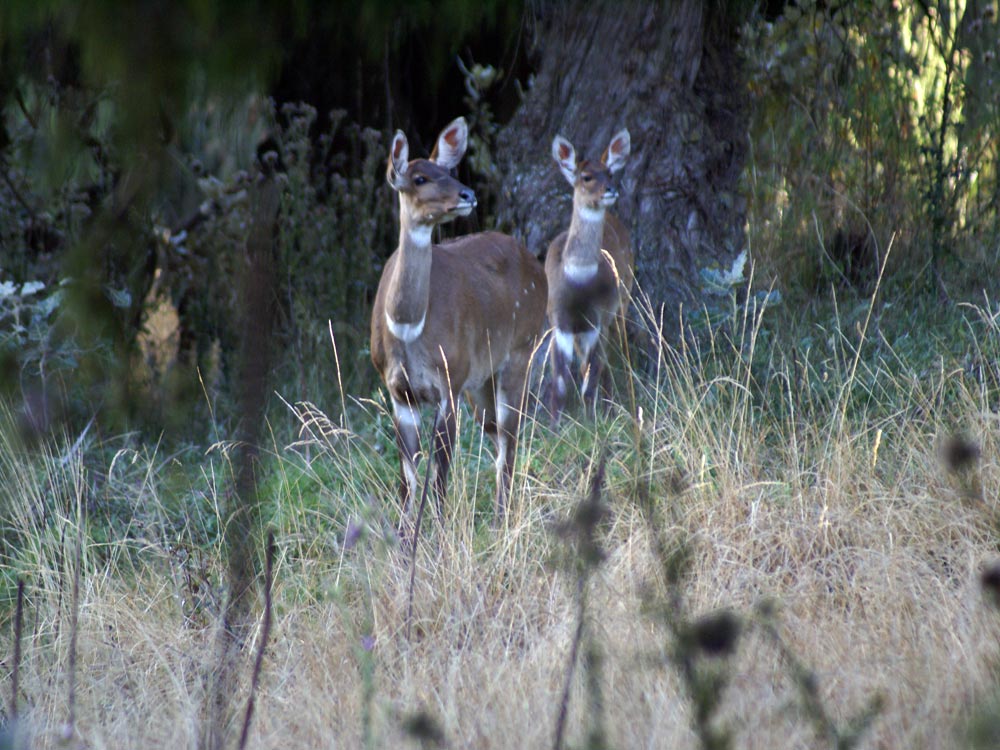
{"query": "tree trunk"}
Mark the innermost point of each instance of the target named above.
(669, 73)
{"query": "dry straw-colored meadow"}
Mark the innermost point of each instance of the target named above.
(838, 516)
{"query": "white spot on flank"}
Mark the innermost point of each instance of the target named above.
(405, 332)
(517, 304)
(590, 214)
(420, 235)
(580, 272)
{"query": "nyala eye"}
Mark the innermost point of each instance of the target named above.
(419, 180)
(587, 178)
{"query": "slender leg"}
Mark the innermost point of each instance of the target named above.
(503, 441)
(488, 403)
(509, 395)
(618, 342)
(406, 419)
(593, 359)
(562, 356)
(444, 441)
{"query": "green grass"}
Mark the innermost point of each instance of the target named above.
(794, 454)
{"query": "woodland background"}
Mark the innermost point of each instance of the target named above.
(810, 135)
(193, 220)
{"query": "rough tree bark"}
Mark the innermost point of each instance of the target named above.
(669, 72)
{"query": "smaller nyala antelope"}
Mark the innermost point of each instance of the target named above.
(459, 316)
(589, 268)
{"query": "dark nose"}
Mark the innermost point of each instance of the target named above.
(468, 196)
(611, 192)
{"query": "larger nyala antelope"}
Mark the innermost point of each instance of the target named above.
(459, 316)
(589, 269)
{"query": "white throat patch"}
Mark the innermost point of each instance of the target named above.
(420, 235)
(590, 214)
(405, 332)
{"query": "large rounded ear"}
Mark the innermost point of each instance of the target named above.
(451, 144)
(399, 160)
(617, 152)
(565, 156)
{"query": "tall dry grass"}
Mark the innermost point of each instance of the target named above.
(837, 509)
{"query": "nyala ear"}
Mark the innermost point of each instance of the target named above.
(399, 161)
(451, 144)
(617, 152)
(565, 156)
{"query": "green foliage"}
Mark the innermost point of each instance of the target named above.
(873, 120)
(43, 353)
(25, 317)
(483, 130)
(889, 133)
(440, 26)
(337, 225)
(147, 515)
(152, 72)
(92, 162)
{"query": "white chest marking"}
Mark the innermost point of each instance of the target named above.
(405, 332)
(590, 214)
(580, 272)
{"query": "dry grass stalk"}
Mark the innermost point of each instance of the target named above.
(582, 531)
(265, 634)
(413, 547)
(74, 629)
(16, 666)
(852, 525)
